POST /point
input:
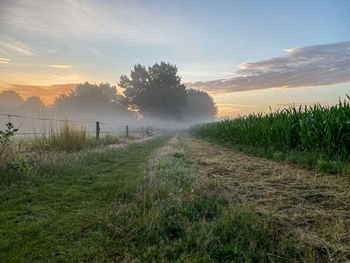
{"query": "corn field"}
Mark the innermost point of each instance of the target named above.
(319, 129)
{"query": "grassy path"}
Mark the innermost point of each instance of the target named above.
(62, 218)
(146, 203)
(314, 208)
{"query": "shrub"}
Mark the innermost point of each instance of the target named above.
(6, 135)
(20, 164)
(7, 149)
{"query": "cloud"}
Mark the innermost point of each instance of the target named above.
(89, 18)
(17, 46)
(5, 60)
(231, 109)
(60, 66)
(308, 66)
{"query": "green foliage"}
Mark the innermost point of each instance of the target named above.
(7, 149)
(10, 162)
(319, 130)
(6, 135)
(158, 92)
(20, 164)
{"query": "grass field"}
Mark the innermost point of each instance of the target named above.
(146, 202)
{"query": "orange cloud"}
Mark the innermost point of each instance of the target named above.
(230, 110)
(46, 93)
(60, 66)
(5, 60)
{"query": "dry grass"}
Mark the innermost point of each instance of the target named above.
(313, 207)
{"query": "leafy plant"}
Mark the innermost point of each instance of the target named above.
(20, 164)
(7, 134)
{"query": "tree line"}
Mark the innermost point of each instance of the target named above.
(153, 92)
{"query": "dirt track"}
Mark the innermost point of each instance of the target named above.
(314, 208)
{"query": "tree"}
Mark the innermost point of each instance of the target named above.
(200, 106)
(92, 100)
(33, 104)
(155, 92)
(10, 99)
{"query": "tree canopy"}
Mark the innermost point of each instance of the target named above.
(12, 102)
(158, 92)
(200, 106)
(92, 99)
(10, 99)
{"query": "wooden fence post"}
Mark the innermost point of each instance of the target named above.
(97, 130)
(127, 130)
(142, 130)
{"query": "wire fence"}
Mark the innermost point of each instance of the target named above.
(32, 125)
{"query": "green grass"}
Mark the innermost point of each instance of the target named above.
(62, 216)
(23, 157)
(317, 137)
(107, 207)
(68, 138)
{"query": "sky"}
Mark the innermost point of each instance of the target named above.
(248, 54)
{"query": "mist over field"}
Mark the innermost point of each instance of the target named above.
(153, 97)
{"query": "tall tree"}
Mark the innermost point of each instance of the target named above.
(156, 91)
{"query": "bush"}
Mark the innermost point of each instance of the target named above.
(7, 149)
(20, 164)
(6, 135)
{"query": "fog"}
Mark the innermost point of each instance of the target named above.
(90, 103)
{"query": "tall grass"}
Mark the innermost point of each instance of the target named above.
(320, 130)
(23, 157)
(68, 137)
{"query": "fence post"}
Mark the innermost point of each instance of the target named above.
(142, 130)
(97, 130)
(127, 130)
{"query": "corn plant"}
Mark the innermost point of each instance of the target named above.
(320, 129)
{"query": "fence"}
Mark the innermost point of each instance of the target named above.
(29, 125)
